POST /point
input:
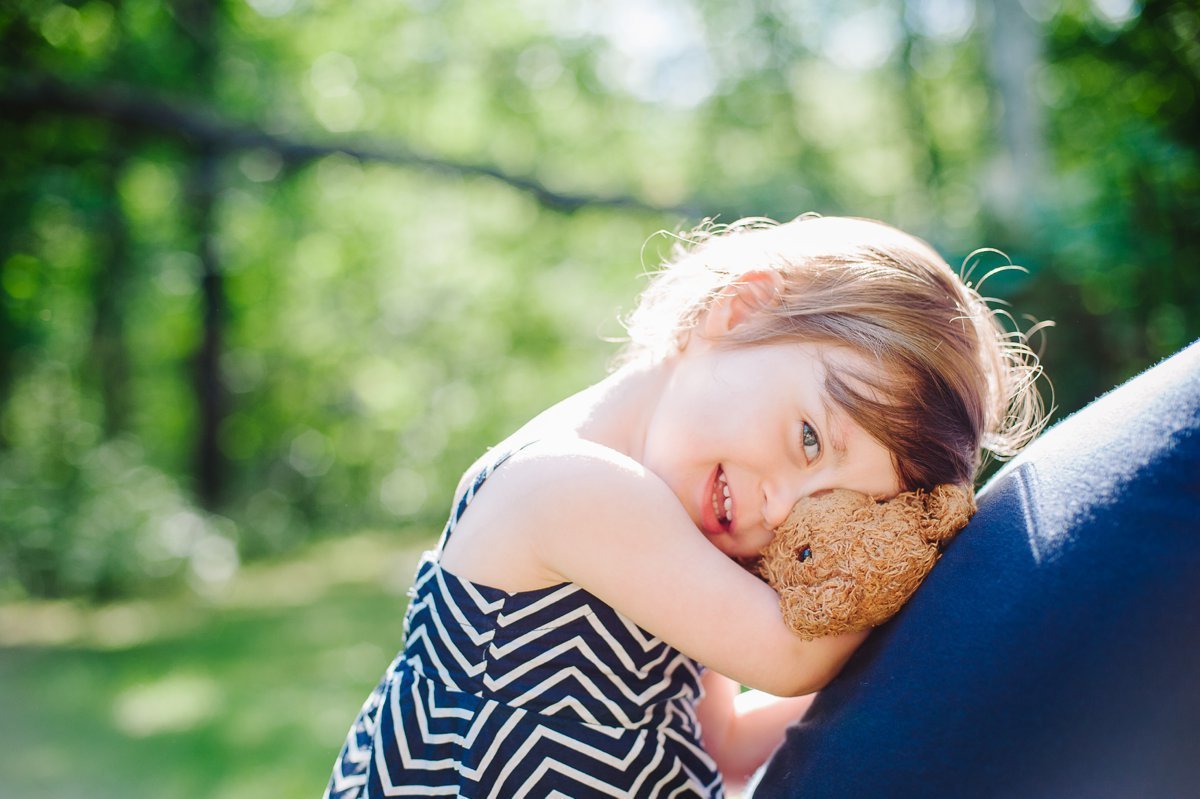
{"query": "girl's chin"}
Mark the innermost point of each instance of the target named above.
(727, 545)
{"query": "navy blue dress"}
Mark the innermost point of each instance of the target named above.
(537, 693)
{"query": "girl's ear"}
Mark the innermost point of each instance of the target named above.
(740, 300)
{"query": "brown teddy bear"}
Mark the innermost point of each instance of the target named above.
(844, 562)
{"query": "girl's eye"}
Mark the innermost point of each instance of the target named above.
(812, 447)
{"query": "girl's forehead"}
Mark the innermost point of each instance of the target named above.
(809, 367)
(829, 357)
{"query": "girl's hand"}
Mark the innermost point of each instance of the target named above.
(742, 728)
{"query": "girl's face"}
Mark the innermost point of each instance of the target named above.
(741, 433)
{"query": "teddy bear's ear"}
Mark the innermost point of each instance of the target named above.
(947, 510)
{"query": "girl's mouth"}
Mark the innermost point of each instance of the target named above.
(722, 501)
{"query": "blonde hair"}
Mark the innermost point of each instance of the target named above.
(953, 383)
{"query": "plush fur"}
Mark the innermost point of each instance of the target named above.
(843, 562)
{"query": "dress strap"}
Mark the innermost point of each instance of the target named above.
(460, 505)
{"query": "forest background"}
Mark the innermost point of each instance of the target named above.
(273, 272)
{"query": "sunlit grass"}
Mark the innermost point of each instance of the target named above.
(245, 694)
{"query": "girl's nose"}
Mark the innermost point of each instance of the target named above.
(778, 499)
(781, 494)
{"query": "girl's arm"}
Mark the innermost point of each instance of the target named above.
(742, 728)
(592, 516)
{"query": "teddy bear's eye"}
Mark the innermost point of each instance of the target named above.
(805, 553)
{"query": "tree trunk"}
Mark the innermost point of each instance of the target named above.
(211, 394)
(198, 20)
(109, 361)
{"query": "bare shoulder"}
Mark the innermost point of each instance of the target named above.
(545, 497)
(560, 489)
(571, 474)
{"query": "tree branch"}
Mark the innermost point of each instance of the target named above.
(204, 128)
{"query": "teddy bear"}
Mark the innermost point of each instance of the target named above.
(844, 562)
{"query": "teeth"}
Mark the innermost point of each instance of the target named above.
(723, 503)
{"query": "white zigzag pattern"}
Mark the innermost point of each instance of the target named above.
(356, 754)
(553, 598)
(435, 613)
(501, 736)
(644, 639)
(407, 759)
(637, 633)
(482, 605)
(666, 780)
(479, 721)
(423, 575)
(599, 755)
(682, 790)
(438, 574)
(436, 711)
(430, 605)
(535, 692)
(342, 781)
(580, 645)
(659, 752)
(623, 654)
(692, 746)
(587, 614)
(574, 773)
(411, 763)
(420, 635)
(583, 713)
(593, 690)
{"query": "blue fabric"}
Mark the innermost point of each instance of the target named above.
(1055, 649)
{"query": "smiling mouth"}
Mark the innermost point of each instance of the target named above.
(722, 500)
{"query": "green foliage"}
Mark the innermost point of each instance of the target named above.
(245, 695)
(380, 320)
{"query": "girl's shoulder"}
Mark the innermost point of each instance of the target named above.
(552, 493)
(549, 475)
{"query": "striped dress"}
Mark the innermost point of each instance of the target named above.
(544, 693)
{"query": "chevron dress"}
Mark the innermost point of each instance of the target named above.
(545, 693)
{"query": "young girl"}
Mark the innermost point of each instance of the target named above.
(583, 625)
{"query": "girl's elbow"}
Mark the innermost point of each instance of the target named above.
(799, 667)
(799, 684)
(821, 680)
(810, 675)
(825, 661)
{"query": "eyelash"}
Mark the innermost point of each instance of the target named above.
(806, 430)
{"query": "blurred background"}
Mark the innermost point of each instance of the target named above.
(274, 272)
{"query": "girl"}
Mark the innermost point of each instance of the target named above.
(583, 625)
